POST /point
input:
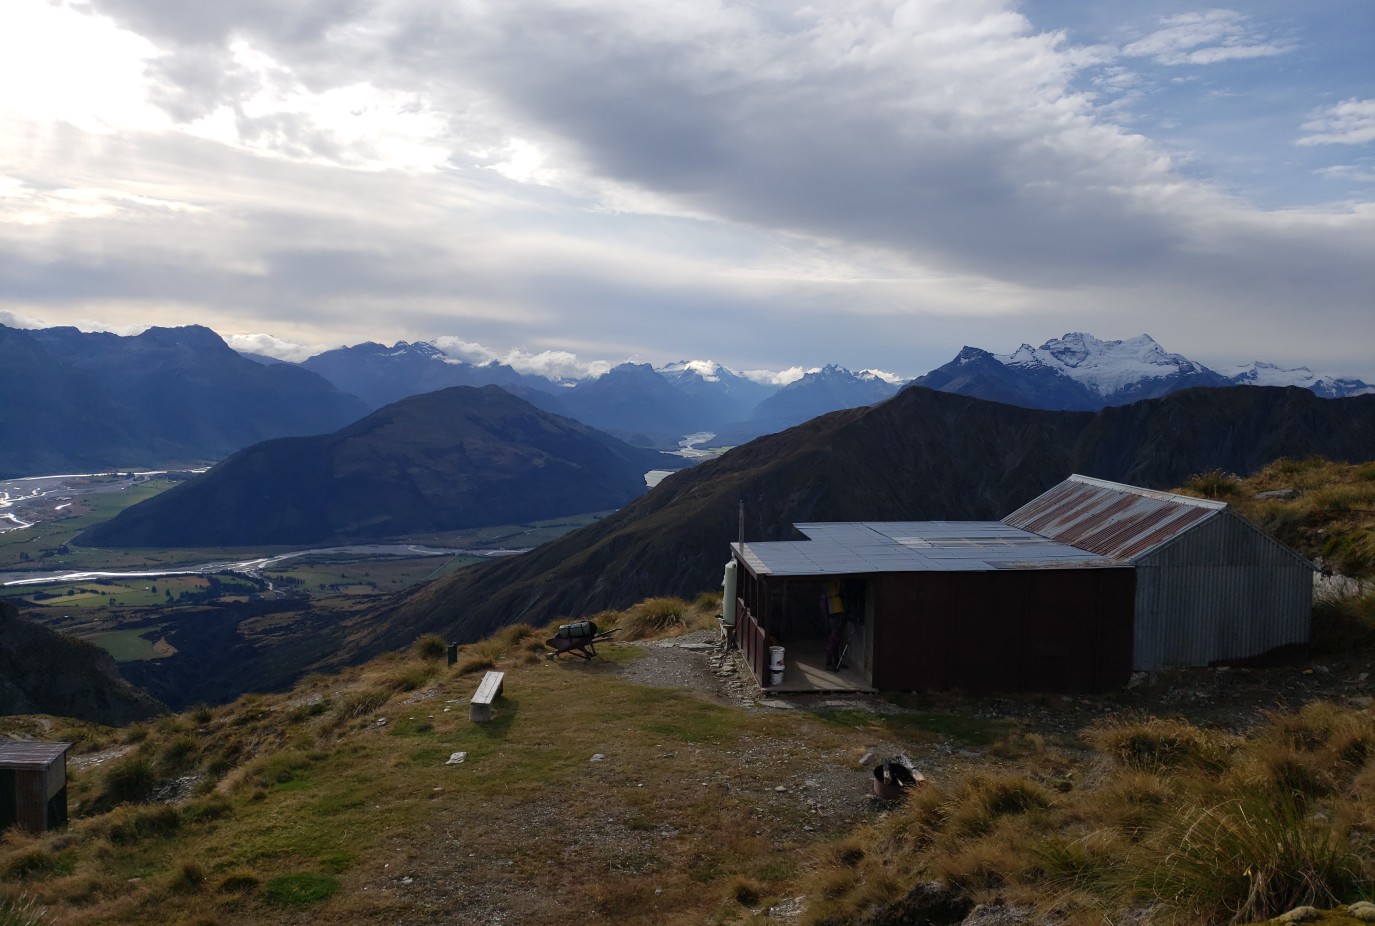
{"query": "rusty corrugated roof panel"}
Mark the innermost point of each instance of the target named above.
(25, 754)
(1110, 519)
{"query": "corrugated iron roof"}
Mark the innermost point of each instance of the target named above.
(25, 754)
(1120, 521)
(860, 547)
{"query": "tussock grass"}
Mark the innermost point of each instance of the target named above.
(1251, 857)
(665, 616)
(1332, 518)
(19, 909)
(1214, 484)
(129, 781)
(1343, 625)
(430, 646)
(1199, 826)
(680, 821)
(475, 663)
(1156, 745)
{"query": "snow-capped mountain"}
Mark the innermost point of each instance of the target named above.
(1116, 372)
(1081, 372)
(1259, 373)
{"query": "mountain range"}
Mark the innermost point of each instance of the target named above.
(79, 402)
(1080, 372)
(657, 406)
(456, 458)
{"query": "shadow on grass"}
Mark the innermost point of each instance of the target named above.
(918, 725)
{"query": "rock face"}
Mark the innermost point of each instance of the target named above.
(456, 458)
(44, 672)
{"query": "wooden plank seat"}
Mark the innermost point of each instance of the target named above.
(480, 708)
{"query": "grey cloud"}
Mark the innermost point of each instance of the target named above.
(820, 124)
(289, 21)
(195, 82)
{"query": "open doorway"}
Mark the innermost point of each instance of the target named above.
(817, 622)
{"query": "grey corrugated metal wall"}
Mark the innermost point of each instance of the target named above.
(1222, 590)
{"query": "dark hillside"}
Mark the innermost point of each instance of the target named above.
(78, 401)
(45, 672)
(921, 455)
(459, 457)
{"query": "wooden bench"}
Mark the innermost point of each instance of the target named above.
(480, 709)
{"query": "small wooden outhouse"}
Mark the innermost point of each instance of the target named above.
(33, 785)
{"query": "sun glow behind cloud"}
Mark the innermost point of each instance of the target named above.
(878, 178)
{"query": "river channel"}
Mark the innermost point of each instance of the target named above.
(253, 567)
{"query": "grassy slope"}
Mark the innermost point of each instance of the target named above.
(682, 822)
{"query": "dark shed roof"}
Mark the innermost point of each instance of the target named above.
(1120, 521)
(25, 755)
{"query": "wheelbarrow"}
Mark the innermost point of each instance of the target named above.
(579, 638)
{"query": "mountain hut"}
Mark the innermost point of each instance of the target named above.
(1071, 592)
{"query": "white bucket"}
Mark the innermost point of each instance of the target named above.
(775, 678)
(775, 659)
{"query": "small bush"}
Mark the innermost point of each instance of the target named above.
(473, 664)
(430, 646)
(1213, 484)
(359, 702)
(188, 878)
(33, 862)
(707, 603)
(130, 781)
(516, 634)
(136, 825)
(1157, 745)
(410, 679)
(300, 889)
(983, 799)
(202, 714)
(211, 807)
(747, 892)
(655, 617)
(177, 756)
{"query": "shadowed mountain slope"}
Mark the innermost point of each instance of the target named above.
(459, 457)
(76, 401)
(45, 672)
(921, 455)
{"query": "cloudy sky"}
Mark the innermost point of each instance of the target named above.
(767, 184)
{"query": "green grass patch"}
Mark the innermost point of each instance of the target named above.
(301, 889)
(132, 645)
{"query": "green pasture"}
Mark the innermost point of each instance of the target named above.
(131, 645)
